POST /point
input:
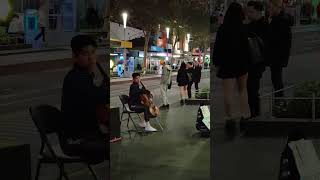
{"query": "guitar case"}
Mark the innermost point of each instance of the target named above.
(200, 126)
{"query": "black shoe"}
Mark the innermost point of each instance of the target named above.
(167, 106)
(182, 102)
(243, 123)
(230, 128)
(163, 106)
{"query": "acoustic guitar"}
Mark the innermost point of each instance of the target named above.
(147, 99)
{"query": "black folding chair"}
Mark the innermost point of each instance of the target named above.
(47, 120)
(126, 110)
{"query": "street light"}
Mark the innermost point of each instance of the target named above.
(124, 17)
(168, 33)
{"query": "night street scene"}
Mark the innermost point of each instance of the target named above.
(160, 48)
(265, 89)
(48, 50)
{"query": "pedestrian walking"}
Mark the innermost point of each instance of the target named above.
(278, 43)
(165, 83)
(190, 74)
(182, 80)
(257, 29)
(197, 75)
(231, 57)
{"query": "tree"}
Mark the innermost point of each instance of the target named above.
(142, 14)
(187, 16)
(200, 23)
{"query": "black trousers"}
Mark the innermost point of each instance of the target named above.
(253, 87)
(141, 109)
(277, 80)
(189, 89)
(94, 149)
(196, 85)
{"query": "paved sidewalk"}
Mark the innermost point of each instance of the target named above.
(176, 153)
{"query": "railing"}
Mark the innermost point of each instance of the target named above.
(271, 98)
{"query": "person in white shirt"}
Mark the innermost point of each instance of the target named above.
(165, 83)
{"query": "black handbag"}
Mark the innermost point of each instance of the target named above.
(256, 48)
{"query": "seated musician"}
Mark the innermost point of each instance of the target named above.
(81, 134)
(136, 105)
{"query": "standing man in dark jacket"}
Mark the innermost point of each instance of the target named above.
(190, 72)
(258, 26)
(197, 75)
(80, 134)
(278, 43)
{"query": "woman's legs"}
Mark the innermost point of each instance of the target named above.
(227, 95)
(243, 93)
(185, 92)
(181, 92)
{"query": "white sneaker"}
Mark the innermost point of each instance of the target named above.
(142, 124)
(149, 128)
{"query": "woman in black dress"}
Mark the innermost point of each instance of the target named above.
(231, 57)
(182, 80)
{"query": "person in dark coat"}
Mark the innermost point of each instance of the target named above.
(197, 75)
(258, 26)
(278, 43)
(231, 57)
(182, 80)
(190, 74)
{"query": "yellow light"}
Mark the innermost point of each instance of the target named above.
(4, 9)
(111, 64)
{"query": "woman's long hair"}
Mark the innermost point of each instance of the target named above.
(234, 16)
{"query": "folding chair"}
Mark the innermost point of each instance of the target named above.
(126, 110)
(46, 118)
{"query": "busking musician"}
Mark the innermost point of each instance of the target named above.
(136, 105)
(81, 134)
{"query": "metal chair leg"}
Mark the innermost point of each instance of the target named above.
(62, 172)
(159, 123)
(38, 170)
(93, 172)
(129, 117)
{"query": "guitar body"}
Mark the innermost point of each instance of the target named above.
(146, 99)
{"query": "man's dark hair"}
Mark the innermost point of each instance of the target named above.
(80, 41)
(134, 75)
(258, 6)
(190, 63)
